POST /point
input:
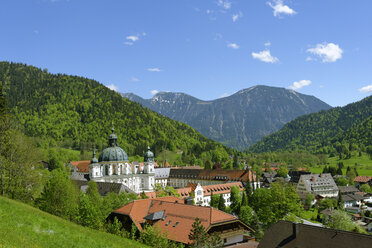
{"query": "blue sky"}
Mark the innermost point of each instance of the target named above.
(205, 48)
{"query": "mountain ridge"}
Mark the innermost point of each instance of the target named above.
(325, 129)
(238, 120)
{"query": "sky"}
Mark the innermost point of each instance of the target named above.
(205, 48)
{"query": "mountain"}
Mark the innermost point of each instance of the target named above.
(351, 124)
(72, 111)
(24, 226)
(239, 120)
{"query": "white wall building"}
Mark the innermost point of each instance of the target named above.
(113, 166)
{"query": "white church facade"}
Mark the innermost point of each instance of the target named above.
(113, 166)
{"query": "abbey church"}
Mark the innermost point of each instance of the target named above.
(113, 166)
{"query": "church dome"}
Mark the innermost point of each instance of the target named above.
(149, 155)
(113, 153)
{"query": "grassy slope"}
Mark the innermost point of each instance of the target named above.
(24, 226)
(364, 164)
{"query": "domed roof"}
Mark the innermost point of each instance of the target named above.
(149, 155)
(113, 152)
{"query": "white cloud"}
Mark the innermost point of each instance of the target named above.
(233, 45)
(224, 4)
(36, 31)
(265, 56)
(366, 89)
(154, 92)
(329, 52)
(298, 85)
(225, 95)
(112, 87)
(279, 8)
(154, 69)
(267, 44)
(235, 17)
(134, 79)
(133, 38)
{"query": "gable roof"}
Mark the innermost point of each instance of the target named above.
(322, 181)
(362, 179)
(82, 166)
(347, 189)
(292, 235)
(177, 219)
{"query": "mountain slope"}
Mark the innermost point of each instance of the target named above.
(351, 123)
(71, 110)
(24, 226)
(239, 120)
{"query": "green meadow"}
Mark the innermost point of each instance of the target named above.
(363, 164)
(24, 226)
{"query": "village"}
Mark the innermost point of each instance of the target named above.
(171, 198)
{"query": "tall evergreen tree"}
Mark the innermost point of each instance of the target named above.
(235, 199)
(244, 199)
(248, 186)
(198, 234)
(235, 162)
(221, 203)
(340, 202)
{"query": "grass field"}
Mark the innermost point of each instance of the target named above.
(24, 226)
(363, 164)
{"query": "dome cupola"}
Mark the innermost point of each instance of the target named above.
(149, 156)
(113, 153)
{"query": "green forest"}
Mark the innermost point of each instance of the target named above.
(73, 112)
(336, 131)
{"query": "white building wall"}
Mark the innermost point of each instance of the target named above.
(233, 239)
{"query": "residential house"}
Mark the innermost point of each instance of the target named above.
(202, 194)
(360, 180)
(351, 196)
(180, 178)
(286, 234)
(317, 184)
(175, 219)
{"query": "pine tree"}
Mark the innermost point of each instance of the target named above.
(340, 202)
(235, 199)
(221, 203)
(198, 234)
(235, 162)
(248, 186)
(244, 199)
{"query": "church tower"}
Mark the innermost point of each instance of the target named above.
(149, 169)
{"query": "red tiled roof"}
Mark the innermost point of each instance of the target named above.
(362, 179)
(137, 210)
(83, 166)
(225, 188)
(178, 218)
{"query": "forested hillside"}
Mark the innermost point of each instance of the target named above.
(75, 112)
(336, 129)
